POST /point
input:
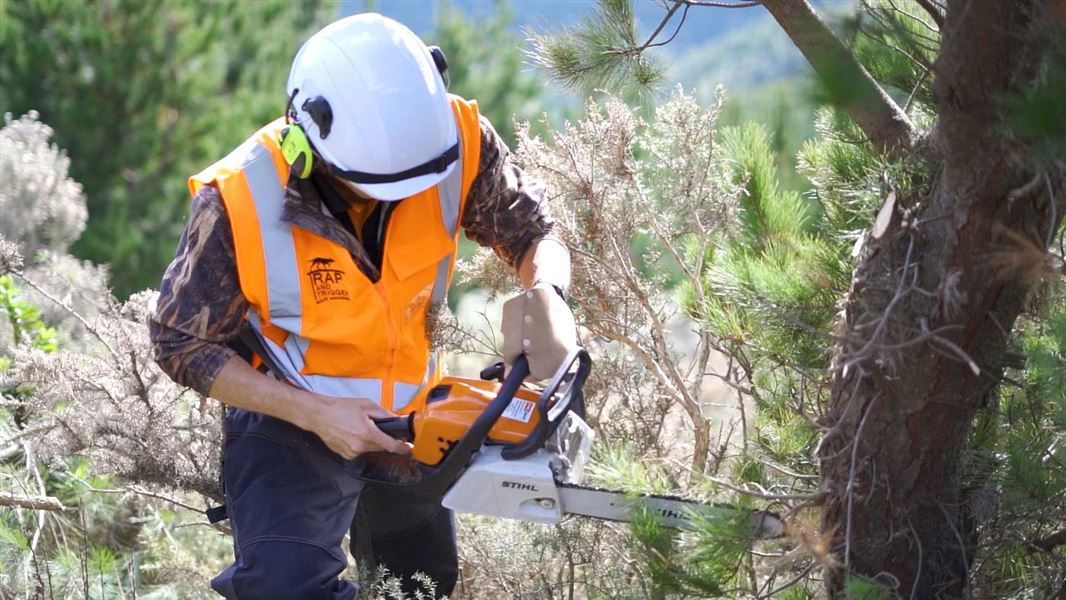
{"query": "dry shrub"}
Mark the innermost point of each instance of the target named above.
(639, 203)
(42, 207)
(112, 405)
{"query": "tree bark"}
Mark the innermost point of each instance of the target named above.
(702, 446)
(948, 288)
(879, 117)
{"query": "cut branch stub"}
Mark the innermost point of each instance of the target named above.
(884, 216)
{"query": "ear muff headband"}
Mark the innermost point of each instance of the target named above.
(293, 141)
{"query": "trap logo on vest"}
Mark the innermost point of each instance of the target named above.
(326, 281)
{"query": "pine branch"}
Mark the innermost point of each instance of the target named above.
(934, 11)
(880, 118)
(666, 19)
(916, 18)
(50, 503)
(29, 432)
(762, 494)
(723, 4)
(138, 491)
(9, 452)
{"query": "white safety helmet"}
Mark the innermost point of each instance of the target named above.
(372, 100)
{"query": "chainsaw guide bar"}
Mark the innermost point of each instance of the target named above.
(670, 511)
(504, 450)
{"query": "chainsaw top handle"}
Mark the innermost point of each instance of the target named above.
(551, 414)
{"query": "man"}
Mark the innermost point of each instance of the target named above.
(329, 238)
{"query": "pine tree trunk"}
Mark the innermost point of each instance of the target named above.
(926, 322)
(702, 446)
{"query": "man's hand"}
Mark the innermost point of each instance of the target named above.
(539, 324)
(347, 428)
(344, 424)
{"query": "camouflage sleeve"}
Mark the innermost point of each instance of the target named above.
(505, 210)
(200, 305)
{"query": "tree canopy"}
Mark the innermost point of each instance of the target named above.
(143, 95)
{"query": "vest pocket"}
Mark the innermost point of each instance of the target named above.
(410, 258)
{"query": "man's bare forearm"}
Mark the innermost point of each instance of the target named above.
(240, 386)
(546, 261)
(344, 424)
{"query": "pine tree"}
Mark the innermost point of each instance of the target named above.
(143, 95)
(891, 326)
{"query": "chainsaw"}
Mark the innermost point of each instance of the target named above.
(494, 447)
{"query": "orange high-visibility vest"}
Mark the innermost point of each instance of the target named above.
(323, 322)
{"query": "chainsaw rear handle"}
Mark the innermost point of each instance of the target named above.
(434, 481)
(401, 428)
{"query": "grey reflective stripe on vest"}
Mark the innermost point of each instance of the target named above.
(404, 393)
(290, 359)
(279, 250)
(451, 193)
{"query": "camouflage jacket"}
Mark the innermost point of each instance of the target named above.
(201, 307)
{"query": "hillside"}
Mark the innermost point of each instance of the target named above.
(740, 48)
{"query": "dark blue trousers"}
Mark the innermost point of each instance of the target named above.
(290, 501)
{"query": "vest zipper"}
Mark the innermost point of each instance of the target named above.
(393, 343)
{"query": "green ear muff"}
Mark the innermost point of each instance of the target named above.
(294, 145)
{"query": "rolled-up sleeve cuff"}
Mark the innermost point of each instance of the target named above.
(189, 361)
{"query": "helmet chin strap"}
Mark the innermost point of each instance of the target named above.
(433, 165)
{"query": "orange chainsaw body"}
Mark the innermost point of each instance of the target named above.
(453, 405)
